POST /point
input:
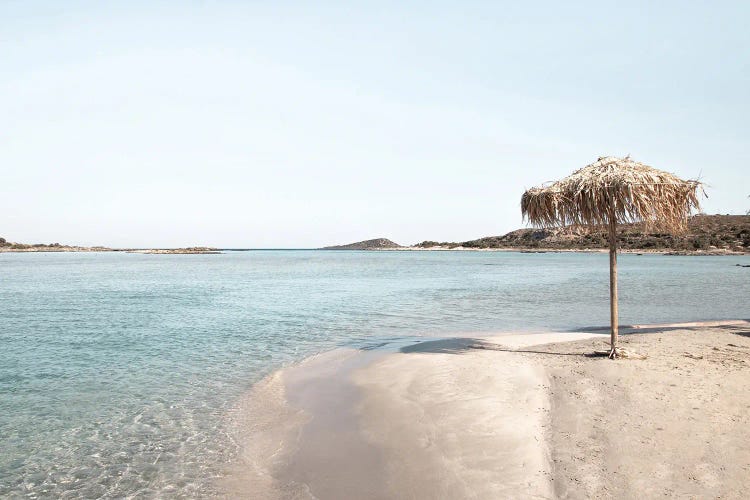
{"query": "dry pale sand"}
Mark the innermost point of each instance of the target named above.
(510, 416)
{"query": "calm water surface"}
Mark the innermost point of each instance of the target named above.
(117, 370)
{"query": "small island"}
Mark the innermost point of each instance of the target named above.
(375, 244)
(8, 246)
(181, 251)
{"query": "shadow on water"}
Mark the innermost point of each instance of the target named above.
(462, 345)
(630, 329)
(372, 347)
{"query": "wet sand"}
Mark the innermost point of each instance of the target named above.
(507, 416)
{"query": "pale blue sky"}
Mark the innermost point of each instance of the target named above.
(299, 124)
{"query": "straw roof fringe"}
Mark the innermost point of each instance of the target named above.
(660, 200)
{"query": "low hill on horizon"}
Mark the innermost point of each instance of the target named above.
(375, 244)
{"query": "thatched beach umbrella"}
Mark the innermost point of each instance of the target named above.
(611, 191)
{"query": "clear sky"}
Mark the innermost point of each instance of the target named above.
(300, 124)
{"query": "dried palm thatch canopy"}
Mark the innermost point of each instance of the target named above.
(638, 193)
(611, 191)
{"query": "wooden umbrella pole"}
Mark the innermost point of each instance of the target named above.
(613, 277)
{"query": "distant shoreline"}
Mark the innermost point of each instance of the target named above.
(210, 251)
(19, 248)
(706, 235)
(717, 252)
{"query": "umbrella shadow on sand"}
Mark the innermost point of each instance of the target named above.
(462, 345)
(740, 328)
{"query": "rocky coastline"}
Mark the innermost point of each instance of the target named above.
(706, 235)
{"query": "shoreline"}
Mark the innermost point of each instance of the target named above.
(669, 252)
(208, 251)
(67, 249)
(498, 415)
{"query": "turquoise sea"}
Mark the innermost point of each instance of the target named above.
(117, 370)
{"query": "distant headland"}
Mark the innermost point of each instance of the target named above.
(707, 235)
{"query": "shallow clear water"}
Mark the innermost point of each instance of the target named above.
(117, 370)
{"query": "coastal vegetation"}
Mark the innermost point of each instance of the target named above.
(704, 234)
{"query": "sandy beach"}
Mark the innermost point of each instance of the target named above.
(507, 416)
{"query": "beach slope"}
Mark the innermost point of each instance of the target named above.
(511, 416)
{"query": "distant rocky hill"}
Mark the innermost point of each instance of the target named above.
(706, 233)
(376, 244)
